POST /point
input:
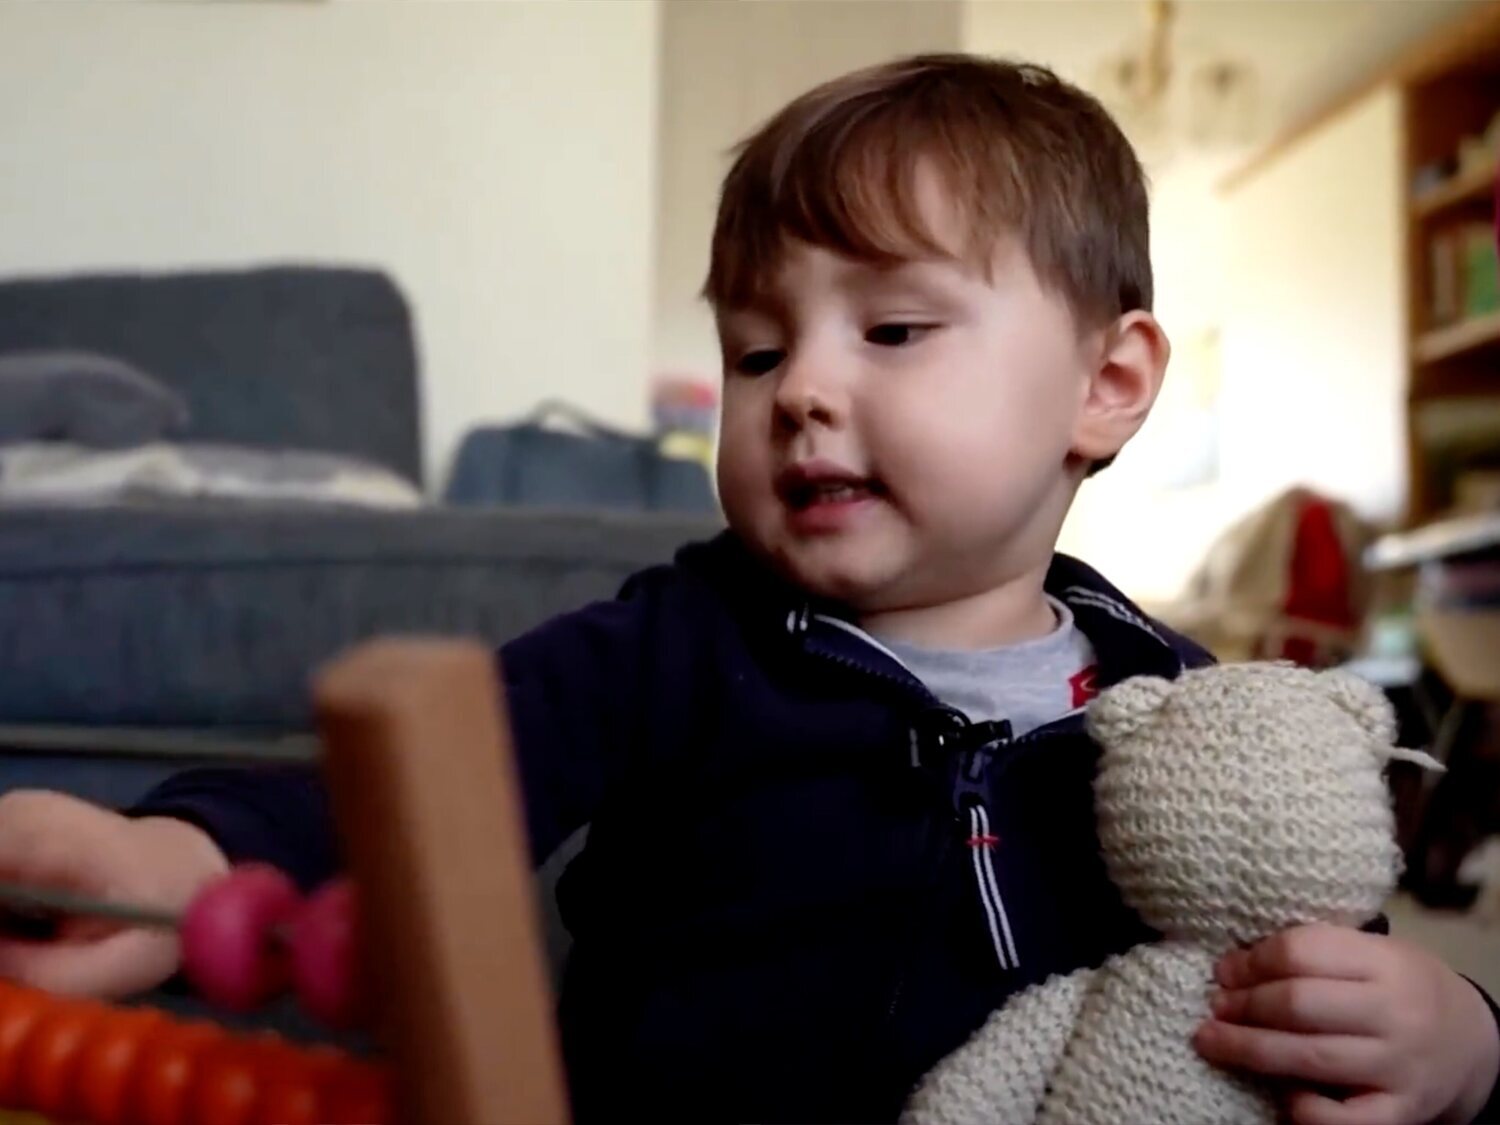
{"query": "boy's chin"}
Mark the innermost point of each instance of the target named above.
(837, 572)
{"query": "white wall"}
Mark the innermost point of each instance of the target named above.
(496, 158)
(1314, 348)
(726, 67)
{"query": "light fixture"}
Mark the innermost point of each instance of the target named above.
(1170, 100)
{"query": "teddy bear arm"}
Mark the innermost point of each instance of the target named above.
(1000, 1075)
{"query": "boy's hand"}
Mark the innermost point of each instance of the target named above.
(55, 841)
(1395, 1032)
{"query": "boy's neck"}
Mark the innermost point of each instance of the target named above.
(1009, 614)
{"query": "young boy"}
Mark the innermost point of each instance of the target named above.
(834, 760)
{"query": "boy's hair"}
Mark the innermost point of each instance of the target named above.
(1021, 152)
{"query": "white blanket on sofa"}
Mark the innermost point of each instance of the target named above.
(62, 473)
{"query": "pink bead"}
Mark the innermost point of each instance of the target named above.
(324, 956)
(231, 949)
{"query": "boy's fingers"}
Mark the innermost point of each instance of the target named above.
(1304, 1004)
(113, 967)
(1338, 1060)
(1306, 951)
(1306, 1107)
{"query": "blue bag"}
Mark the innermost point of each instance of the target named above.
(589, 465)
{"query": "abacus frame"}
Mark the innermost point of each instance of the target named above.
(417, 756)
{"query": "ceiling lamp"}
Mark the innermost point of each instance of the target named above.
(1170, 100)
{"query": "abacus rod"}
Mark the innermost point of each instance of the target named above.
(145, 742)
(43, 900)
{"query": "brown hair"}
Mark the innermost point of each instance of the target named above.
(1022, 153)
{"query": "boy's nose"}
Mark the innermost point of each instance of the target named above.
(803, 400)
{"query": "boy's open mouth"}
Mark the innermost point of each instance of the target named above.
(804, 486)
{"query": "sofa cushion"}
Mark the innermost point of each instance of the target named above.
(84, 398)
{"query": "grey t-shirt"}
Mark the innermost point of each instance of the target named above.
(1029, 684)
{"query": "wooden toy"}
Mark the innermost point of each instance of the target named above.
(433, 940)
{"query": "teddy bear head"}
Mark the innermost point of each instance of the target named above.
(1237, 800)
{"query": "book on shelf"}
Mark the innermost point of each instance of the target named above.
(1464, 274)
(1481, 271)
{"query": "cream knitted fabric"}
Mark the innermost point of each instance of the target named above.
(1232, 802)
(1002, 1073)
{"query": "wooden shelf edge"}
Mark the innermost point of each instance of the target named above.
(1477, 183)
(1466, 335)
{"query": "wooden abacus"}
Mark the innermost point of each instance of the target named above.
(416, 754)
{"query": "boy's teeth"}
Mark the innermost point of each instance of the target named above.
(836, 491)
(807, 493)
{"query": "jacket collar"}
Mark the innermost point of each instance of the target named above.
(1126, 641)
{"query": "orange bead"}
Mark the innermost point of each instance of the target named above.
(228, 1080)
(163, 1071)
(20, 1009)
(106, 1065)
(45, 1065)
(357, 1094)
(292, 1080)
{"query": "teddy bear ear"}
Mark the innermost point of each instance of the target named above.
(1366, 702)
(1126, 708)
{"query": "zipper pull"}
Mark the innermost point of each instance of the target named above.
(935, 734)
(979, 758)
(982, 740)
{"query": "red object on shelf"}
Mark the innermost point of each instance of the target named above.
(1319, 618)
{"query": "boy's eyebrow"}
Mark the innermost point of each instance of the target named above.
(932, 277)
(758, 308)
(924, 277)
(768, 301)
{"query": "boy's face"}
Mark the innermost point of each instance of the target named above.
(900, 438)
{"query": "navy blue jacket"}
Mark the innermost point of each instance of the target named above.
(780, 914)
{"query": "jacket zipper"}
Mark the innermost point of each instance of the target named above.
(982, 842)
(939, 848)
(973, 809)
(909, 684)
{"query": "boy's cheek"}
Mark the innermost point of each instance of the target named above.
(746, 435)
(743, 478)
(741, 416)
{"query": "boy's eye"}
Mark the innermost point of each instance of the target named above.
(896, 334)
(759, 362)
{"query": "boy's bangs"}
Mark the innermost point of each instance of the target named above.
(856, 195)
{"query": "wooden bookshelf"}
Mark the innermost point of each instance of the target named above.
(1450, 91)
(1476, 333)
(1473, 187)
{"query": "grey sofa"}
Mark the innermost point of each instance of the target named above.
(211, 618)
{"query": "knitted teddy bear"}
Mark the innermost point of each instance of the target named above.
(1232, 803)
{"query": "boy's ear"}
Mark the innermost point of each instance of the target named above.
(1123, 386)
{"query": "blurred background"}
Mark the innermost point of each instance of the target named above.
(331, 317)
